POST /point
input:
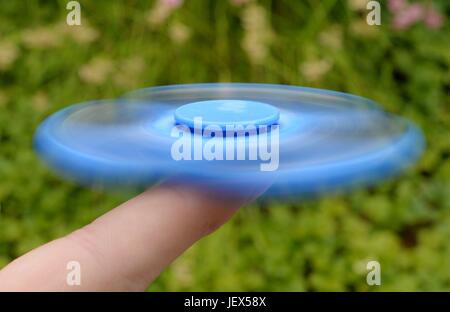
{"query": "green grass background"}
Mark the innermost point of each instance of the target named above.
(310, 245)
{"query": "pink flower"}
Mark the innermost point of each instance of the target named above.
(409, 16)
(433, 19)
(406, 15)
(172, 3)
(396, 6)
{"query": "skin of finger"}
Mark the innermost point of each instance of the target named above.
(126, 248)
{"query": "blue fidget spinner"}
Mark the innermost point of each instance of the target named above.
(233, 136)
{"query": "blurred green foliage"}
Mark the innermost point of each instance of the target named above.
(322, 244)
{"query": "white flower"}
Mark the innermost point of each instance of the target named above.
(83, 34)
(315, 69)
(258, 33)
(8, 54)
(357, 5)
(41, 38)
(97, 71)
(161, 11)
(331, 37)
(179, 33)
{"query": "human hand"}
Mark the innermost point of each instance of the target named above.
(128, 247)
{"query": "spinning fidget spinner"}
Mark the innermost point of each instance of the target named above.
(232, 136)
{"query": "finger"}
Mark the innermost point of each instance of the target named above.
(126, 248)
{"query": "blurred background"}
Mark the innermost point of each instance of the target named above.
(319, 244)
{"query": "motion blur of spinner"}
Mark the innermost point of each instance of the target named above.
(230, 136)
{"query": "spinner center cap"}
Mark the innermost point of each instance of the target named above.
(227, 112)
